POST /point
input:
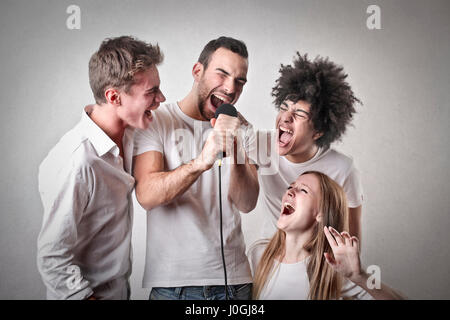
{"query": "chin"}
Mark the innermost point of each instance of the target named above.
(284, 151)
(281, 226)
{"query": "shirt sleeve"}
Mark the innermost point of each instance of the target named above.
(64, 196)
(353, 188)
(149, 139)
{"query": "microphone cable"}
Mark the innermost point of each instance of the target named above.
(230, 110)
(221, 230)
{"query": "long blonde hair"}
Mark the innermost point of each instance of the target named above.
(324, 283)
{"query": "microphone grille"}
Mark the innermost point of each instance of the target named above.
(227, 109)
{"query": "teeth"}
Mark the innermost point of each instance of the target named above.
(288, 206)
(286, 130)
(220, 98)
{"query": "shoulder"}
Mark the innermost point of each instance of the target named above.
(336, 163)
(339, 157)
(163, 119)
(165, 112)
(73, 154)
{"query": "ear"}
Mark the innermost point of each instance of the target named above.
(197, 71)
(319, 217)
(112, 96)
(317, 135)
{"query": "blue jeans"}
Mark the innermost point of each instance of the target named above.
(236, 292)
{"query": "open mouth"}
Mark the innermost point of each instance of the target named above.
(148, 113)
(217, 101)
(288, 209)
(284, 136)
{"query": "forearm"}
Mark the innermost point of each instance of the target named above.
(64, 203)
(355, 222)
(159, 188)
(63, 279)
(244, 186)
(382, 293)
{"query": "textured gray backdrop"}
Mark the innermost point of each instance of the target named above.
(399, 140)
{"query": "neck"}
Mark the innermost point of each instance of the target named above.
(106, 118)
(303, 156)
(295, 242)
(190, 106)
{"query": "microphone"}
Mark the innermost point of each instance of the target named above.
(229, 110)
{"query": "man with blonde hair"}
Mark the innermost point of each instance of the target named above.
(85, 182)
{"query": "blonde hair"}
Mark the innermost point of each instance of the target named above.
(324, 283)
(116, 63)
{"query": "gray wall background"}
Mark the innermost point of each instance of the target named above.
(399, 139)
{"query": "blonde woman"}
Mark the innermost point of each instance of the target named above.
(308, 258)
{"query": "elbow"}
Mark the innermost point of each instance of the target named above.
(250, 206)
(149, 198)
(247, 209)
(249, 203)
(143, 199)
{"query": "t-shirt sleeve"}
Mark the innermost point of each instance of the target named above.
(255, 252)
(353, 188)
(149, 139)
(250, 143)
(351, 291)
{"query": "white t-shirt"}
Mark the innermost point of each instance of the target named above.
(289, 281)
(336, 165)
(183, 237)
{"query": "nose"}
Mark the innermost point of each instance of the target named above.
(229, 86)
(161, 97)
(290, 193)
(286, 116)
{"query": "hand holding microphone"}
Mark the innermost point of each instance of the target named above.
(220, 142)
(225, 124)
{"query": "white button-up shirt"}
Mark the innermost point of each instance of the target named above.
(84, 246)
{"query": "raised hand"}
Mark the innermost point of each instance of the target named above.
(345, 248)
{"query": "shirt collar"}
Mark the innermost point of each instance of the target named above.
(101, 142)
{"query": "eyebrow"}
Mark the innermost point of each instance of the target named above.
(305, 185)
(301, 110)
(227, 73)
(152, 89)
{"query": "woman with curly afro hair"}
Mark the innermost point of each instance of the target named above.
(315, 105)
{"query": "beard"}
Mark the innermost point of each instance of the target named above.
(206, 114)
(203, 97)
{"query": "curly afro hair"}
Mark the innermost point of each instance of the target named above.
(322, 84)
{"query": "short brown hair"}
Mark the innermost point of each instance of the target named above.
(117, 61)
(234, 45)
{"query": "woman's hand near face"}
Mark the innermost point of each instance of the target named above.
(347, 262)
